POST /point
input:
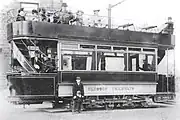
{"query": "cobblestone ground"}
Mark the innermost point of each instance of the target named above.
(40, 112)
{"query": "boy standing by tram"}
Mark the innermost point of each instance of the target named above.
(78, 95)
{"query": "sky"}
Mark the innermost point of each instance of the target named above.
(139, 12)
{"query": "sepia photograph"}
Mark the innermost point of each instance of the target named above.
(89, 60)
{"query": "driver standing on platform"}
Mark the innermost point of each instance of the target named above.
(78, 95)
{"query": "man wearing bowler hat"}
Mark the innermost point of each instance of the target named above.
(78, 94)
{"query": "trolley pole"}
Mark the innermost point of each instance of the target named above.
(109, 12)
(109, 16)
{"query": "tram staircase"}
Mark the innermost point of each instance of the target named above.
(21, 53)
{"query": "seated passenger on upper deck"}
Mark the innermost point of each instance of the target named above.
(35, 16)
(50, 16)
(21, 15)
(79, 18)
(65, 16)
(42, 14)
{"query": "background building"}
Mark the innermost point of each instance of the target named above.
(4, 50)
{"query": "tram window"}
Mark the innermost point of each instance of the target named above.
(87, 46)
(134, 49)
(111, 61)
(78, 60)
(141, 62)
(69, 46)
(149, 50)
(104, 47)
(119, 48)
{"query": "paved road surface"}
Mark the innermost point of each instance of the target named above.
(44, 112)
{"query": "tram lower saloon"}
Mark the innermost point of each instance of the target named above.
(113, 76)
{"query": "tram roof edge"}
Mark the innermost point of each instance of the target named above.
(58, 31)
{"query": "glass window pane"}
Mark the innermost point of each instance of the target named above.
(77, 60)
(149, 50)
(87, 46)
(119, 48)
(111, 61)
(134, 49)
(141, 62)
(69, 46)
(104, 47)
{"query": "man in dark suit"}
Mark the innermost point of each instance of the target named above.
(78, 94)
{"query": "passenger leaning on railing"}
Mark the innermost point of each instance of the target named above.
(21, 15)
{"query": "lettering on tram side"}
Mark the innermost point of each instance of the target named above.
(97, 88)
(123, 88)
(109, 88)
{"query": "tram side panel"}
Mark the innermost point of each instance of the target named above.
(109, 83)
(32, 88)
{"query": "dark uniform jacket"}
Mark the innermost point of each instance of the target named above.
(77, 87)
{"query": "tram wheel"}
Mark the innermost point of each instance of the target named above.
(132, 105)
(116, 105)
(56, 104)
(144, 104)
(109, 106)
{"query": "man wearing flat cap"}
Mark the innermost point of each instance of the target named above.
(78, 94)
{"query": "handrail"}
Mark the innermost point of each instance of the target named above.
(24, 59)
(24, 44)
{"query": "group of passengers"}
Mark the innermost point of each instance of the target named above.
(63, 16)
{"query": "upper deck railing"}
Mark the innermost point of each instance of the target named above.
(84, 20)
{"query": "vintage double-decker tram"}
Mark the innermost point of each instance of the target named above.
(117, 67)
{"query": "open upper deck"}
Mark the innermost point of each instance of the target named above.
(73, 32)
